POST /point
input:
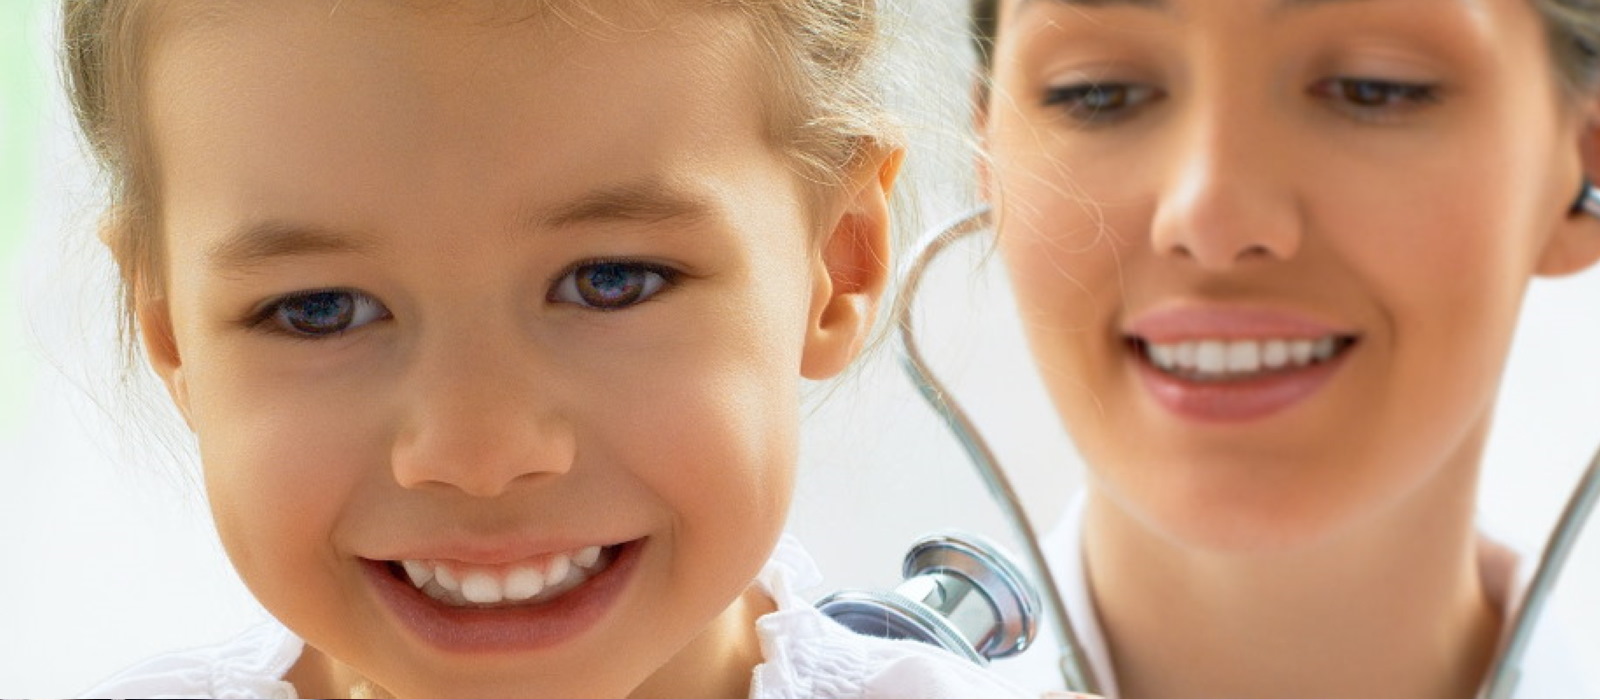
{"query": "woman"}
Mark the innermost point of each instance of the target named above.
(1284, 244)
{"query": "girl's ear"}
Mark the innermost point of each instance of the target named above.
(852, 271)
(161, 348)
(1575, 244)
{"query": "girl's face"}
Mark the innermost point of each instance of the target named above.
(1270, 252)
(491, 334)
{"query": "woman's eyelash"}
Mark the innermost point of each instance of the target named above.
(1098, 102)
(1102, 102)
(1377, 95)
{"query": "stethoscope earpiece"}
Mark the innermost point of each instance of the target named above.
(1588, 200)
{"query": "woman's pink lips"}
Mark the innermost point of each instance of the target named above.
(1240, 400)
(1236, 400)
(509, 629)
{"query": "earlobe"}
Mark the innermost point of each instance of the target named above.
(1573, 248)
(161, 349)
(853, 271)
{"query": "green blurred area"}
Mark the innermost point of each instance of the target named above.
(22, 85)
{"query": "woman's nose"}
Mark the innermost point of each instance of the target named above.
(478, 417)
(1226, 201)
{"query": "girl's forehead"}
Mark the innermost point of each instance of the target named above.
(282, 106)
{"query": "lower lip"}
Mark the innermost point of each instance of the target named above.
(500, 630)
(1237, 401)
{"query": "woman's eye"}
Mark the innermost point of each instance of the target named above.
(1376, 96)
(323, 313)
(610, 286)
(1100, 102)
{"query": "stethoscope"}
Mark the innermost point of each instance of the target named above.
(971, 626)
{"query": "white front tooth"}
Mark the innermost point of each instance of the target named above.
(1160, 355)
(587, 556)
(560, 565)
(481, 588)
(1212, 357)
(1323, 350)
(1244, 356)
(1163, 356)
(1275, 354)
(524, 582)
(1300, 351)
(1188, 355)
(446, 579)
(419, 573)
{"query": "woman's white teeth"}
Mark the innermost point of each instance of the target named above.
(464, 585)
(1226, 359)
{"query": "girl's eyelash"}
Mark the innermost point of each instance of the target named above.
(268, 318)
(666, 278)
(334, 311)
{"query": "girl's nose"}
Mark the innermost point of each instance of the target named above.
(479, 419)
(1226, 203)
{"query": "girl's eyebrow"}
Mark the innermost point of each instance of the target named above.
(253, 245)
(647, 201)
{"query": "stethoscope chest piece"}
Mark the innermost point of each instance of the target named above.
(960, 592)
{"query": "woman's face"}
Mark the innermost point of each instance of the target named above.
(491, 333)
(1270, 252)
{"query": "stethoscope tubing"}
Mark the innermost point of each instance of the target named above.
(1075, 668)
(1504, 671)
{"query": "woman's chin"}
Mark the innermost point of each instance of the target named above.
(1244, 520)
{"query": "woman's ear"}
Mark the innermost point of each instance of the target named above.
(852, 270)
(161, 348)
(1575, 244)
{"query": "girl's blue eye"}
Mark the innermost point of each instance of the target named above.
(610, 286)
(1100, 102)
(1374, 95)
(323, 313)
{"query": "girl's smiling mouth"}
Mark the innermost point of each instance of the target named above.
(515, 606)
(1226, 364)
(534, 580)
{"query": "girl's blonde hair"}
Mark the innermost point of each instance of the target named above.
(820, 54)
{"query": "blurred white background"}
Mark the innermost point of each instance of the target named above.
(106, 550)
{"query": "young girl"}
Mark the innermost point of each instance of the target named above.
(1271, 254)
(490, 319)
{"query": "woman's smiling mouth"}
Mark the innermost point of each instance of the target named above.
(1219, 360)
(1222, 364)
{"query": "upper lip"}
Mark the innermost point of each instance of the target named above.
(1178, 323)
